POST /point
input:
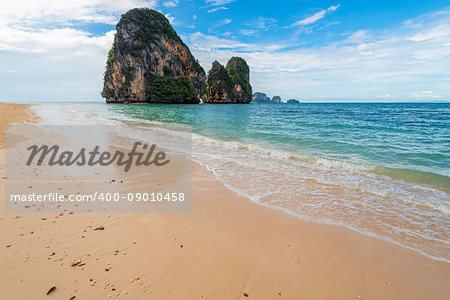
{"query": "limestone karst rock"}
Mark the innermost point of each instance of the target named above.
(149, 62)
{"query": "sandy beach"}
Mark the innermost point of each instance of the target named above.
(227, 248)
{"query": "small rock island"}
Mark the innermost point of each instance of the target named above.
(259, 97)
(149, 63)
(230, 84)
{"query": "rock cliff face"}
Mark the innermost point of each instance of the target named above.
(239, 73)
(276, 99)
(220, 87)
(260, 98)
(150, 63)
(230, 84)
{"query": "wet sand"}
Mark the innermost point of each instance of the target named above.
(227, 248)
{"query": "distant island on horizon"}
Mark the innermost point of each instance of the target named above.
(259, 97)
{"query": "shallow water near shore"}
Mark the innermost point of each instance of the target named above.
(380, 169)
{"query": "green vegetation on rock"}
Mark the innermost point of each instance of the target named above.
(167, 71)
(260, 98)
(107, 93)
(230, 84)
(170, 90)
(148, 25)
(111, 54)
(207, 94)
(276, 99)
(129, 76)
(239, 72)
(219, 75)
(293, 101)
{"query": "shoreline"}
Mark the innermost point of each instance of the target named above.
(231, 246)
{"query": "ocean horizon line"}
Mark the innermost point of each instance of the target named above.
(301, 102)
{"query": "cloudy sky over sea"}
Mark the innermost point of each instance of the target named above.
(313, 50)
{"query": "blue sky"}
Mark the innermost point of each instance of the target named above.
(53, 50)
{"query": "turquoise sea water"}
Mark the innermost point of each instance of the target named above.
(381, 169)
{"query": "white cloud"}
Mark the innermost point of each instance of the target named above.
(248, 32)
(425, 94)
(333, 8)
(170, 18)
(56, 61)
(263, 23)
(386, 96)
(45, 41)
(312, 19)
(217, 8)
(55, 64)
(218, 2)
(209, 43)
(170, 4)
(259, 24)
(359, 36)
(225, 21)
(438, 33)
(32, 12)
(11, 71)
(398, 62)
(317, 16)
